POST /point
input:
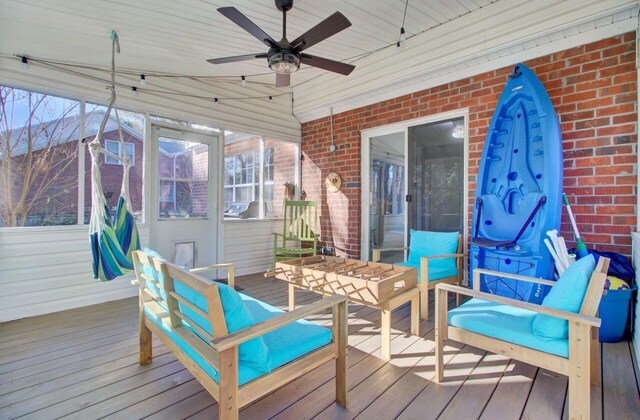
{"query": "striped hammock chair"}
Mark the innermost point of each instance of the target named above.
(112, 240)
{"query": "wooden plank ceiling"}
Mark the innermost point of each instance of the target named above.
(177, 37)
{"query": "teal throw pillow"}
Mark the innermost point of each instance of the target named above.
(567, 295)
(428, 244)
(253, 353)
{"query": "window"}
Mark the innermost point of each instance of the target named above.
(132, 127)
(119, 148)
(39, 144)
(253, 165)
(183, 169)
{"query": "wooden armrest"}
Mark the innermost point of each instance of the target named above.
(512, 276)
(224, 266)
(391, 249)
(557, 313)
(238, 337)
(375, 252)
(439, 257)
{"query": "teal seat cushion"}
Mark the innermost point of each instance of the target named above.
(567, 295)
(291, 341)
(245, 373)
(428, 244)
(253, 353)
(435, 273)
(504, 322)
(285, 344)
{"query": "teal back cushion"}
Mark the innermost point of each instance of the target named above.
(567, 295)
(253, 353)
(428, 244)
(154, 274)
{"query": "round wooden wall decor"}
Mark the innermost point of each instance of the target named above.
(333, 182)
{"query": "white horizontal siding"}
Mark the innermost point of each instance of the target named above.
(45, 270)
(248, 244)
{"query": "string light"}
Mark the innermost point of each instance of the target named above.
(143, 80)
(24, 63)
(243, 81)
(134, 91)
(270, 99)
(215, 102)
(403, 35)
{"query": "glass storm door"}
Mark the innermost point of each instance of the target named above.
(183, 201)
(436, 170)
(387, 193)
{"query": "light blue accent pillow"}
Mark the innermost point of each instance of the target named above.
(567, 295)
(427, 244)
(253, 353)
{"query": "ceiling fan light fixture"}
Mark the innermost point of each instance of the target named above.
(284, 62)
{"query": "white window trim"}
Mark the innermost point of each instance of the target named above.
(111, 161)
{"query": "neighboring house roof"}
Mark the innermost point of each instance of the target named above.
(63, 130)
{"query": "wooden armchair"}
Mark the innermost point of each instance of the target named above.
(577, 356)
(190, 319)
(435, 275)
(299, 229)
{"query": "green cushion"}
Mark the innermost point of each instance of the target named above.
(427, 244)
(567, 295)
(505, 323)
(435, 273)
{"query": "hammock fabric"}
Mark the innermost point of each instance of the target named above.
(112, 241)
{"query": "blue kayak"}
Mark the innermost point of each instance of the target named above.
(519, 189)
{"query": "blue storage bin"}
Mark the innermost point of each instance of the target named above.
(614, 312)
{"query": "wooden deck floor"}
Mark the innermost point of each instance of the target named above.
(83, 364)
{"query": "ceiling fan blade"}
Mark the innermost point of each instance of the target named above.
(236, 58)
(242, 21)
(326, 64)
(283, 80)
(323, 30)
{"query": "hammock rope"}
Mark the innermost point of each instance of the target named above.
(112, 241)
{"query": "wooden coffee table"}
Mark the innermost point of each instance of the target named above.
(378, 285)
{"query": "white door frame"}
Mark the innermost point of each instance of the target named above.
(213, 139)
(366, 135)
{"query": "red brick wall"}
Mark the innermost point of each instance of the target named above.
(593, 89)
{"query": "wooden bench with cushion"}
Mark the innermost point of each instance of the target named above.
(237, 347)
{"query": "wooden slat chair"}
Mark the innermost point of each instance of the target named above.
(436, 273)
(505, 326)
(187, 313)
(300, 221)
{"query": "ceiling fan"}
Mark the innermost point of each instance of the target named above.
(284, 57)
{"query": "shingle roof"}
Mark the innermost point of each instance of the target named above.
(61, 130)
